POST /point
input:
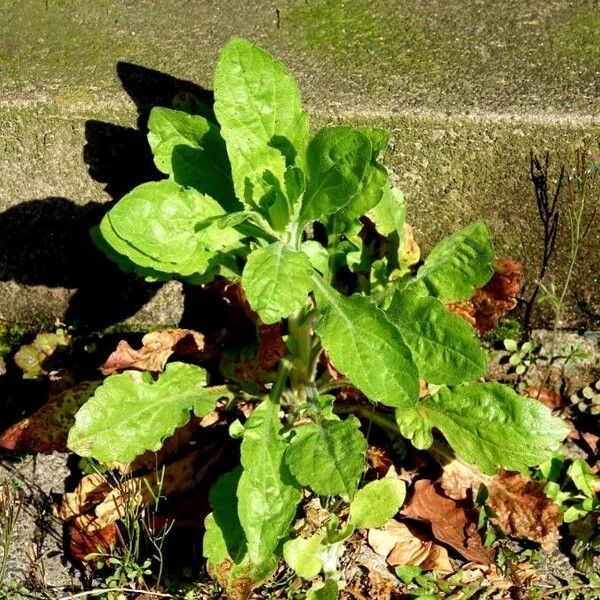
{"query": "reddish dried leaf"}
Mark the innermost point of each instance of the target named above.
(83, 542)
(47, 429)
(156, 349)
(495, 299)
(523, 510)
(551, 398)
(451, 522)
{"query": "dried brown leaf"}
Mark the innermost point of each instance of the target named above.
(156, 349)
(523, 510)
(403, 544)
(495, 299)
(551, 398)
(46, 430)
(451, 521)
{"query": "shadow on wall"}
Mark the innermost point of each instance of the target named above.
(46, 241)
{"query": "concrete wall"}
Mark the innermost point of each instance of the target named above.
(467, 88)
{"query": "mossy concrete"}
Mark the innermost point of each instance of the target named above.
(466, 88)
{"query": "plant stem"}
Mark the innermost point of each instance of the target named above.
(285, 367)
(386, 422)
(577, 192)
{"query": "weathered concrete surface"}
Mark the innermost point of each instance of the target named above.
(36, 556)
(467, 88)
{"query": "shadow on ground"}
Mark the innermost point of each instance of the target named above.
(46, 242)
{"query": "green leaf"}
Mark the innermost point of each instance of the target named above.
(192, 151)
(375, 178)
(165, 228)
(329, 591)
(318, 256)
(131, 413)
(303, 555)
(337, 158)
(389, 214)
(277, 281)
(108, 242)
(168, 222)
(487, 424)
(224, 538)
(328, 457)
(259, 108)
(443, 345)
(376, 503)
(366, 347)
(268, 495)
(458, 264)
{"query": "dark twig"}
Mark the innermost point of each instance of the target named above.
(549, 213)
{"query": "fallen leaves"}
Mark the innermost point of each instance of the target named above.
(520, 506)
(46, 430)
(156, 349)
(404, 544)
(523, 510)
(496, 298)
(451, 522)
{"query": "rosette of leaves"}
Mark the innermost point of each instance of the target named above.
(314, 231)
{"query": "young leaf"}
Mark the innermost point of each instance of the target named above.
(303, 555)
(329, 591)
(366, 347)
(376, 503)
(131, 413)
(267, 494)
(224, 538)
(328, 457)
(192, 151)
(458, 264)
(390, 213)
(259, 108)
(337, 158)
(375, 178)
(443, 345)
(277, 281)
(487, 424)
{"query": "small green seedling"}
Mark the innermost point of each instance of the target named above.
(521, 356)
(311, 227)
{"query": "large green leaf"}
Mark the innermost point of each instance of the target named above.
(277, 281)
(376, 503)
(192, 151)
(199, 268)
(259, 108)
(443, 345)
(487, 424)
(458, 264)
(268, 495)
(329, 456)
(366, 347)
(337, 159)
(131, 413)
(168, 222)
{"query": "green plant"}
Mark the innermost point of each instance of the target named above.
(521, 356)
(314, 233)
(128, 563)
(11, 502)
